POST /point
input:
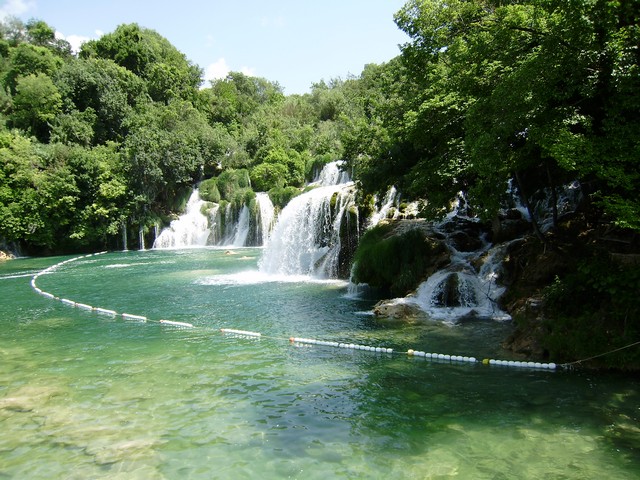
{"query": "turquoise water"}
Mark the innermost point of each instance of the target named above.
(85, 395)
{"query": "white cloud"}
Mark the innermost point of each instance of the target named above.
(216, 70)
(248, 71)
(220, 69)
(75, 41)
(16, 8)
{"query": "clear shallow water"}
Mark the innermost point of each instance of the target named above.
(84, 395)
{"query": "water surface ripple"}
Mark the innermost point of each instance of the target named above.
(84, 395)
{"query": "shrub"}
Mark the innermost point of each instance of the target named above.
(209, 190)
(394, 263)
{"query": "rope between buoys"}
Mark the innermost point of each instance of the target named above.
(570, 364)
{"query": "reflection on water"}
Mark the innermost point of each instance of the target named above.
(89, 396)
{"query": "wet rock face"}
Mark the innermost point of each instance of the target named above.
(464, 235)
(509, 225)
(464, 242)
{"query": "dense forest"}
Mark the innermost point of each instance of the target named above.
(486, 93)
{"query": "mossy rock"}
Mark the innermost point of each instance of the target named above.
(397, 256)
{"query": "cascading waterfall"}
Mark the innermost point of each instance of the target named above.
(306, 237)
(462, 290)
(331, 175)
(388, 203)
(191, 229)
(141, 238)
(205, 223)
(267, 217)
(568, 197)
(241, 230)
(467, 287)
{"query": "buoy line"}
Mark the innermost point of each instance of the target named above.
(247, 334)
(99, 310)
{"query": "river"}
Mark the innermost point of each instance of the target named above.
(87, 394)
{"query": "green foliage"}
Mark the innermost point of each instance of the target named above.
(231, 186)
(393, 263)
(148, 55)
(35, 105)
(280, 196)
(104, 88)
(74, 127)
(592, 311)
(293, 163)
(209, 190)
(27, 59)
(267, 176)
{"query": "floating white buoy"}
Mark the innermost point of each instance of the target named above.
(177, 324)
(68, 302)
(104, 311)
(84, 306)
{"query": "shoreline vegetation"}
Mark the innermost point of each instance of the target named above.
(485, 98)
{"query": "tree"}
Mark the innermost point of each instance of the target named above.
(150, 56)
(100, 86)
(35, 105)
(27, 59)
(509, 89)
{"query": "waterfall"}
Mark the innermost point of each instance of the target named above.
(241, 229)
(568, 198)
(267, 217)
(191, 229)
(467, 287)
(141, 238)
(332, 174)
(388, 203)
(125, 240)
(218, 226)
(306, 237)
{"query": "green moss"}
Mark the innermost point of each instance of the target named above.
(281, 196)
(394, 263)
(209, 190)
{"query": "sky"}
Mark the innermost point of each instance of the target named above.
(295, 43)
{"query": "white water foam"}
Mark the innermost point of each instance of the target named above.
(190, 230)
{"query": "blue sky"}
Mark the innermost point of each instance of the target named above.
(295, 43)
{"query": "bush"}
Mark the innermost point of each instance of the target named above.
(394, 263)
(593, 310)
(266, 176)
(281, 196)
(226, 186)
(209, 190)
